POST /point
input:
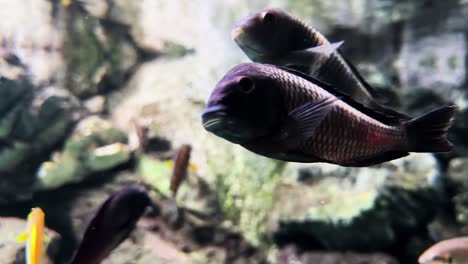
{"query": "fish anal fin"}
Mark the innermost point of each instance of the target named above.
(22, 238)
(376, 159)
(303, 120)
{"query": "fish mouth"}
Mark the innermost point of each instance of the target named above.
(213, 116)
(216, 120)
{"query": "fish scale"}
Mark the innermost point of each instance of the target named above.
(311, 36)
(290, 35)
(284, 114)
(341, 114)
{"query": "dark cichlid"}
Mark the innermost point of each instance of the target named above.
(273, 36)
(287, 115)
(113, 222)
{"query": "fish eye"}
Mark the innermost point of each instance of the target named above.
(269, 17)
(246, 85)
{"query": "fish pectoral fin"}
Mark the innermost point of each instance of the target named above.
(303, 120)
(326, 49)
(23, 237)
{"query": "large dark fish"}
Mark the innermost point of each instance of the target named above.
(273, 36)
(287, 115)
(112, 223)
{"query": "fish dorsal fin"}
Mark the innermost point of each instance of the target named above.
(326, 49)
(380, 113)
(375, 95)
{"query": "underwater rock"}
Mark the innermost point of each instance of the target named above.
(95, 104)
(95, 145)
(427, 65)
(194, 192)
(362, 209)
(32, 122)
(168, 94)
(13, 252)
(143, 247)
(98, 57)
(36, 47)
(120, 11)
(289, 255)
(457, 175)
(72, 49)
(170, 105)
(369, 16)
(192, 238)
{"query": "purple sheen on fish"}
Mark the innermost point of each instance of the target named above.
(111, 224)
(275, 37)
(287, 115)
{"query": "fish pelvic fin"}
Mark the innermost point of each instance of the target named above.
(428, 133)
(375, 159)
(22, 238)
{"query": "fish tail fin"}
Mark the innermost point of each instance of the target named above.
(428, 133)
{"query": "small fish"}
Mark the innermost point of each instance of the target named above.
(35, 236)
(287, 115)
(111, 225)
(179, 171)
(450, 251)
(275, 37)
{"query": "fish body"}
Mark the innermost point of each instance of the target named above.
(34, 236)
(112, 223)
(450, 251)
(284, 114)
(275, 37)
(179, 171)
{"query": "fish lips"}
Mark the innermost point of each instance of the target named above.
(213, 116)
(216, 120)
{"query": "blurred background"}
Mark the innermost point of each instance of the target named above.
(96, 94)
